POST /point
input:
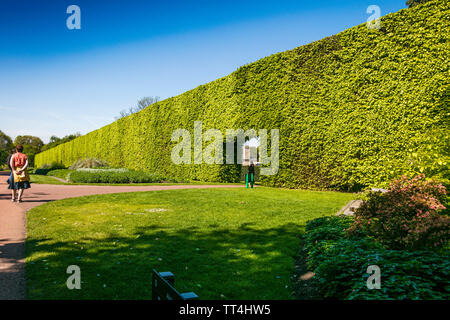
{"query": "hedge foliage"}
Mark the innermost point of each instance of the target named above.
(355, 109)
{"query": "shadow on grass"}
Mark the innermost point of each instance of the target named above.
(243, 263)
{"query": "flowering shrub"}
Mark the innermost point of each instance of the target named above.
(409, 216)
(103, 170)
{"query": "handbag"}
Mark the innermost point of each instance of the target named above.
(21, 177)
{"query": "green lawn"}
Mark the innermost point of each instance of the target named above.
(219, 243)
(36, 178)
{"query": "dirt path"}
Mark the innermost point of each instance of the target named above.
(13, 224)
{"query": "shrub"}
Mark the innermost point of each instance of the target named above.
(88, 163)
(322, 234)
(353, 110)
(104, 176)
(342, 272)
(407, 216)
(45, 168)
(340, 265)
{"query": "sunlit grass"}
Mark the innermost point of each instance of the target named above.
(35, 178)
(219, 243)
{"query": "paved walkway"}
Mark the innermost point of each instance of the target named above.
(13, 223)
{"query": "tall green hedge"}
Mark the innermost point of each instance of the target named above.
(354, 109)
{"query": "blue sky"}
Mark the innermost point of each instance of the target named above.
(56, 81)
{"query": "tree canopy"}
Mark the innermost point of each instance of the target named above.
(55, 141)
(141, 104)
(5, 146)
(31, 146)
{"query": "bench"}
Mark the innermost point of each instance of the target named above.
(163, 288)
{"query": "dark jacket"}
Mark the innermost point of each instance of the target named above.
(9, 161)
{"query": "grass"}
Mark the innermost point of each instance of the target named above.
(60, 173)
(36, 178)
(219, 243)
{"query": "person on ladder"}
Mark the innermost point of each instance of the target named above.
(250, 176)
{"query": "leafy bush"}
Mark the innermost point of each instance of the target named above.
(355, 109)
(417, 275)
(407, 216)
(104, 176)
(88, 163)
(322, 234)
(340, 265)
(45, 168)
(342, 272)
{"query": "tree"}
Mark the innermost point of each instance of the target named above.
(32, 141)
(54, 140)
(413, 3)
(5, 147)
(141, 104)
(31, 146)
(145, 102)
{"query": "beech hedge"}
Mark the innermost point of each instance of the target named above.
(355, 109)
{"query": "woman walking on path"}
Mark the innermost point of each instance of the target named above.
(19, 165)
(10, 180)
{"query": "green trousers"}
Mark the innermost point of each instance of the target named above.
(249, 179)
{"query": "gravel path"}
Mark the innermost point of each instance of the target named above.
(13, 223)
